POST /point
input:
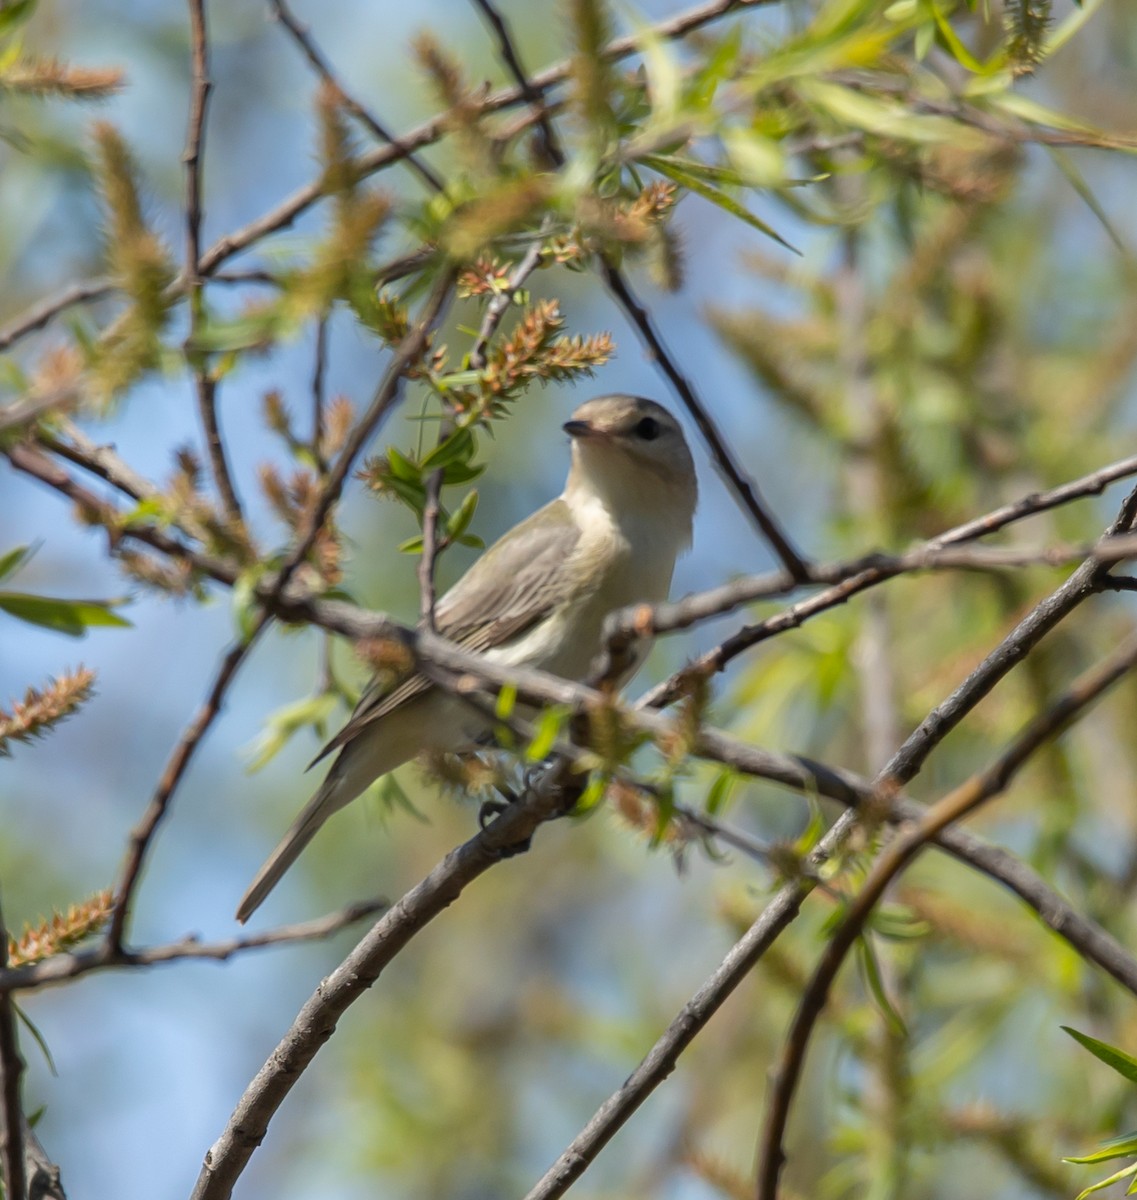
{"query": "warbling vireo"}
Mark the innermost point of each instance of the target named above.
(538, 597)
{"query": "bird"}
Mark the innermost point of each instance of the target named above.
(538, 597)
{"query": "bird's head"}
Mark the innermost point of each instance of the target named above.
(632, 455)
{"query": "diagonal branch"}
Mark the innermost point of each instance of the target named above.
(315, 1023)
(205, 385)
(743, 487)
(142, 835)
(531, 93)
(843, 589)
(893, 859)
(740, 484)
(320, 64)
(408, 350)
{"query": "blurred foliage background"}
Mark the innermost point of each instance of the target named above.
(895, 256)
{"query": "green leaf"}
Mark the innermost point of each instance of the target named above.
(38, 1038)
(959, 51)
(413, 495)
(592, 794)
(391, 796)
(1077, 181)
(1031, 111)
(402, 467)
(759, 159)
(1117, 1060)
(284, 723)
(506, 702)
(13, 559)
(727, 203)
(244, 600)
(462, 472)
(413, 545)
(460, 521)
(1122, 1146)
(459, 447)
(898, 923)
(15, 14)
(1104, 1183)
(719, 792)
(871, 969)
(71, 617)
(1059, 35)
(549, 726)
(719, 66)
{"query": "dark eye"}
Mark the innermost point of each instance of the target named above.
(648, 429)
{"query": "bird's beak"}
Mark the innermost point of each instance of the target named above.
(579, 429)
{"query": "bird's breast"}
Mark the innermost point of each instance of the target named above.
(613, 567)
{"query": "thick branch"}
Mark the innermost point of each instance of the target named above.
(316, 1021)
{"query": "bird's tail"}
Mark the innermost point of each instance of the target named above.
(300, 833)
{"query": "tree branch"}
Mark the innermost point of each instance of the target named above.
(311, 51)
(409, 349)
(895, 856)
(11, 1109)
(143, 833)
(316, 1021)
(205, 385)
(103, 955)
(743, 487)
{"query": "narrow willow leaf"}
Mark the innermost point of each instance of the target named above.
(13, 559)
(283, 724)
(70, 617)
(1117, 1060)
(1122, 1146)
(722, 200)
(1077, 181)
(549, 726)
(460, 521)
(1104, 1183)
(871, 969)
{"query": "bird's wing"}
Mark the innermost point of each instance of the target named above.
(517, 582)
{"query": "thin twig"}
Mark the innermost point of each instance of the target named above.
(103, 956)
(430, 541)
(11, 1109)
(743, 487)
(205, 385)
(314, 1024)
(430, 131)
(143, 833)
(408, 350)
(896, 855)
(319, 378)
(530, 93)
(304, 40)
(844, 588)
(432, 545)
(43, 312)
